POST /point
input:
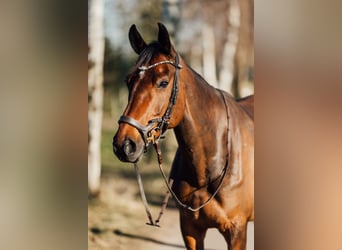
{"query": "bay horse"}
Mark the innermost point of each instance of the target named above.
(213, 169)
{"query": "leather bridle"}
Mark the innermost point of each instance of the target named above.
(148, 132)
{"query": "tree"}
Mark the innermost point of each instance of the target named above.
(226, 73)
(218, 39)
(95, 94)
(245, 50)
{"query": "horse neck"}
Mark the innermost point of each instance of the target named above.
(197, 95)
(192, 133)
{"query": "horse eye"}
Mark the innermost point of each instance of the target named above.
(163, 84)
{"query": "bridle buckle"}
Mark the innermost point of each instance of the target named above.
(150, 136)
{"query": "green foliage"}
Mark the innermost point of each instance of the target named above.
(116, 66)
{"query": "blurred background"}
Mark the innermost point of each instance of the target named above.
(216, 39)
(44, 189)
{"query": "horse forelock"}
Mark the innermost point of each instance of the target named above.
(145, 57)
(151, 51)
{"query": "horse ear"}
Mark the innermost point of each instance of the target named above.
(164, 38)
(137, 42)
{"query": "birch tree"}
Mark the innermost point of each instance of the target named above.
(245, 49)
(226, 73)
(95, 93)
(208, 52)
(223, 41)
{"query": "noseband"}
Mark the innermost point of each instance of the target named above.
(147, 132)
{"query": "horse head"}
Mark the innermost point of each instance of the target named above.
(155, 101)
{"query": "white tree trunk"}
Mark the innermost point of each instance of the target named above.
(209, 63)
(245, 49)
(226, 74)
(196, 58)
(95, 93)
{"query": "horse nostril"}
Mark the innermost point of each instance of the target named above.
(129, 147)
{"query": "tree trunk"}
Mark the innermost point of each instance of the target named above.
(196, 57)
(226, 74)
(245, 50)
(209, 62)
(95, 94)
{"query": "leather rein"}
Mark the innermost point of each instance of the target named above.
(148, 134)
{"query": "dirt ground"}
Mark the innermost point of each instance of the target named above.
(116, 220)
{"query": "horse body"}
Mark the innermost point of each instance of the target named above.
(247, 103)
(215, 135)
(200, 158)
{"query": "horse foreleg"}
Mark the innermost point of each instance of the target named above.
(236, 236)
(193, 237)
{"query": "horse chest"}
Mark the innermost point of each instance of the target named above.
(195, 185)
(212, 215)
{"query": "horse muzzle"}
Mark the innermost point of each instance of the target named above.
(127, 150)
